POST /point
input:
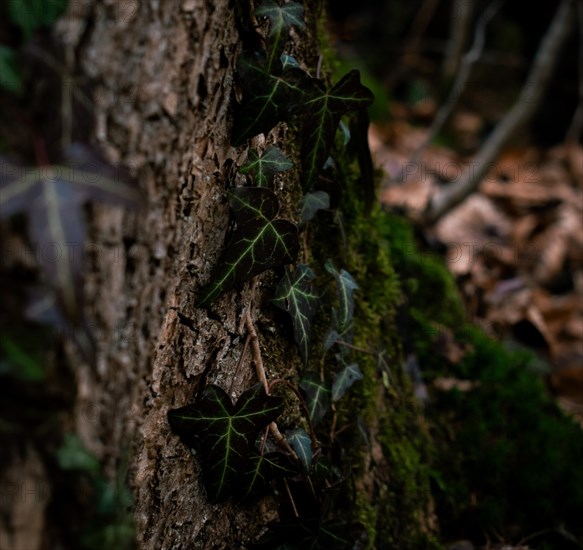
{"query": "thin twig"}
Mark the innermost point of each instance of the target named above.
(257, 359)
(461, 80)
(461, 20)
(522, 110)
(412, 43)
(260, 370)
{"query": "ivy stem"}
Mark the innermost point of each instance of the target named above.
(333, 426)
(355, 348)
(319, 66)
(257, 359)
(264, 440)
(303, 404)
(291, 498)
(260, 370)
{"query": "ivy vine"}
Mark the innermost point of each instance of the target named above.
(275, 88)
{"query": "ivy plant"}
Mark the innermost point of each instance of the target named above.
(260, 242)
(271, 94)
(263, 168)
(326, 108)
(274, 88)
(281, 19)
(226, 433)
(296, 295)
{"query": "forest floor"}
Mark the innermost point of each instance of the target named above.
(515, 247)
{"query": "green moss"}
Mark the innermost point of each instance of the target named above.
(427, 283)
(509, 461)
(397, 514)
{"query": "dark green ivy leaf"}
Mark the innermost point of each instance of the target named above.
(260, 469)
(359, 123)
(302, 445)
(270, 95)
(344, 379)
(346, 286)
(296, 295)
(317, 396)
(226, 432)
(33, 14)
(259, 242)
(263, 168)
(325, 109)
(17, 360)
(281, 19)
(311, 203)
(10, 78)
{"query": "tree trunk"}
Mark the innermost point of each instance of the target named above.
(165, 85)
(166, 80)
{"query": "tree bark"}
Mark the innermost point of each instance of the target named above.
(165, 74)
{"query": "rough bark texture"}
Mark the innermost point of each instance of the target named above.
(165, 73)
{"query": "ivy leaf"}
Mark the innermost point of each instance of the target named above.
(53, 198)
(281, 19)
(317, 396)
(325, 110)
(344, 379)
(359, 123)
(295, 294)
(301, 443)
(270, 95)
(32, 14)
(331, 338)
(10, 77)
(345, 132)
(16, 359)
(346, 286)
(260, 469)
(263, 168)
(289, 61)
(311, 203)
(260, 242)
(226, 432)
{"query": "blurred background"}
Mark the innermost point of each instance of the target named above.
(446, 76)
(487, 95)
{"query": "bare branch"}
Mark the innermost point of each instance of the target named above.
(522, 110)
(461, 19)
(461, 80)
